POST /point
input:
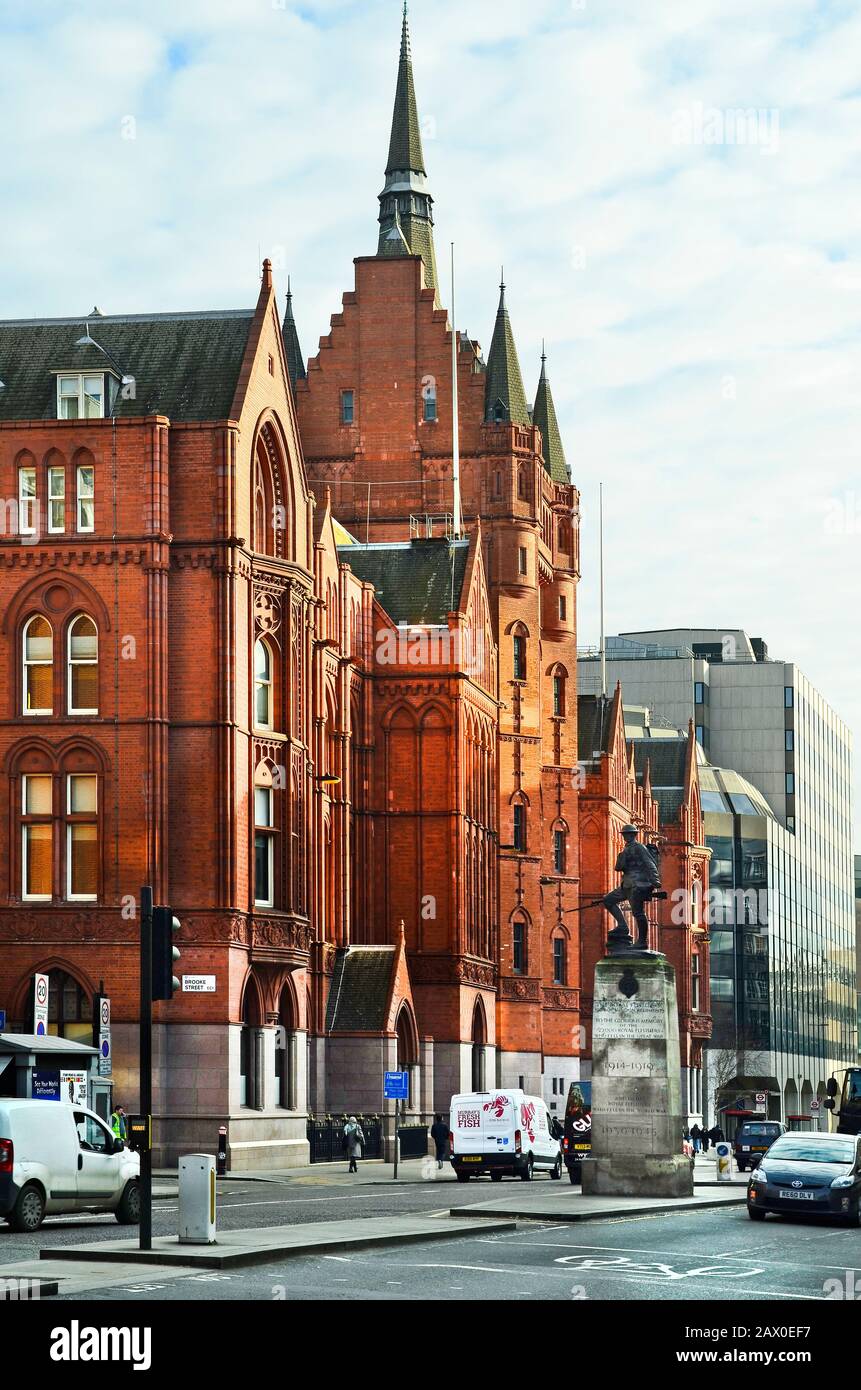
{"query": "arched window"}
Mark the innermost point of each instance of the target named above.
(560, 956)
(518, 824)
(285, 1054)
(479, 1040)
(560, 847)
(519, 951)
(70, 1008)
(407, 1059)
(264, 703)
(83, 659)
(38, 666)
(248, 1049)
(559, 693)
(519, 657)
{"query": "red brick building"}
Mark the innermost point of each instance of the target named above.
(247, 659)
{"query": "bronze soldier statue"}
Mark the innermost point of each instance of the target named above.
(640, 878)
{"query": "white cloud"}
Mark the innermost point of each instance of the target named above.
(700, 303)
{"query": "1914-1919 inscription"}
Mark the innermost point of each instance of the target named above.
(628, 1018)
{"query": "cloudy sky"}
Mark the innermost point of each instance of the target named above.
(673, 188)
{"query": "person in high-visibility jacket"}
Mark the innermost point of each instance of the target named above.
(118, 1122)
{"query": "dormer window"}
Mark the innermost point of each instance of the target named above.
(80, 397)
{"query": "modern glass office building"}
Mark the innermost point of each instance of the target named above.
(776, 775)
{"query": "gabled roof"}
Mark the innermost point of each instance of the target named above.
(295, 360)
(505, 398)
(544, 416)
(405, 145)
(418, 581)
(594, 726)
(185, 366)
(361, 986)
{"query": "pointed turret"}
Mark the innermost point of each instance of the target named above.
(295, 360)
(505, 398)
(544, 416)
(393, 242)
(406, 190)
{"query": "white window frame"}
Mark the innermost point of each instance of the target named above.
(70, 825)
(79, 661)
(268, 684)
(268, 829)
(27, 502)
(55, 497)
(81, 496)
(26, 664)
(25, 896)
(80, 378)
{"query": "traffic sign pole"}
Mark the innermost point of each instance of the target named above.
(145, 1242)
(397, 1139)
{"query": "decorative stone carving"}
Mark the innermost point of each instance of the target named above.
(519, 990)
(267, 612)
(561, 998)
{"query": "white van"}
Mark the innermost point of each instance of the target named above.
(57, 1158)
(502, 1131)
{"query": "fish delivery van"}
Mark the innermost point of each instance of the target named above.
(503, 1131)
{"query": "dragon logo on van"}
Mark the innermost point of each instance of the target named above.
(497, 1105)
(527, 1116)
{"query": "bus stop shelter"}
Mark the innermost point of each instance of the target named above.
(43, 1067)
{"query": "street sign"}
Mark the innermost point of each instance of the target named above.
(198, 984)
(814, 1107)
(40, 1005)
(104, 1043)
(397, 1085)
(2, 1020)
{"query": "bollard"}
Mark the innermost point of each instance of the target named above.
(723, 1161)
(197, 1199)
(221, 1156)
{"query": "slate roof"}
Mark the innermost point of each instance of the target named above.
(504, 384)
(295, 360)
(593, 725)
(405, 145)
(544, 416)
(185, 366)
(667, 759)
(361, 983)
(416, 581)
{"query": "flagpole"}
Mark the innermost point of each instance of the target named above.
(601, 571)
(455, 432)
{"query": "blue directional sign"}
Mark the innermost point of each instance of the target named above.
(397, 1085)
(2, 1020)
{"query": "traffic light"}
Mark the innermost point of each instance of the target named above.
(164, 953)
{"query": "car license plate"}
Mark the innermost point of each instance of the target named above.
(468, 1158)
(745, 1148)
(797, 1196)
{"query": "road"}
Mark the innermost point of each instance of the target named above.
(704, 1255)
(243, 1205)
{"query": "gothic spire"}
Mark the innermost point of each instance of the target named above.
(505, 398)
(406, 188)
(544, 416)
(295, 360)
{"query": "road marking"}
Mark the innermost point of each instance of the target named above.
(651, 1250)
(342, 1259)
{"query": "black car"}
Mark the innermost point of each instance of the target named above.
(753, 1139)
(810, 1174)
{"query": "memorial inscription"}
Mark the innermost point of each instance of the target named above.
(628, 1018)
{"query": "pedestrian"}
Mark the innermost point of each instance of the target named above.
(439, 1135)
(118, 1122)
(353, 1141)
(716, 1134)
(696, 1137)
(704, 1140)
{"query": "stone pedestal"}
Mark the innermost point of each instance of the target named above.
(636, 1082)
